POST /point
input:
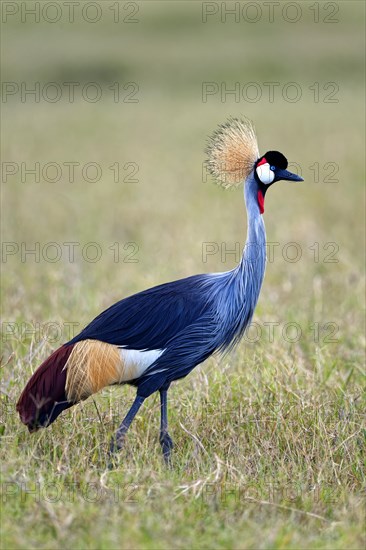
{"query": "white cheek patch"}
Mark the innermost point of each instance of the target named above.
(265, 174)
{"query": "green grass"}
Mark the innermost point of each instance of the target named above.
(270, 440)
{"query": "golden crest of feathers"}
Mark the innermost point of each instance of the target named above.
(232, 151)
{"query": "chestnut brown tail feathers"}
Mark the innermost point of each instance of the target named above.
(73, 373)
(44, 397)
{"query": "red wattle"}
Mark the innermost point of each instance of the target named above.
(261, 201)
(263, 161)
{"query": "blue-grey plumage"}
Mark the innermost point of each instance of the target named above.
(191, 318)
(159, 335)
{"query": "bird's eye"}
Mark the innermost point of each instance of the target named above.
(273, 168)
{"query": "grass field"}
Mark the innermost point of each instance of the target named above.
(269, 441)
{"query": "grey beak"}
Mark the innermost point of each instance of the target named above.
(286, 175)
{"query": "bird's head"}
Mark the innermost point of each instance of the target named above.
(233, 158)
(44, 397)
(38, 413)
(268, 169)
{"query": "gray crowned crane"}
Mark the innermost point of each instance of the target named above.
(157, 336)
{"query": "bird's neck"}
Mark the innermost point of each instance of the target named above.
(248, 275)
(244, 282)
(254, 253)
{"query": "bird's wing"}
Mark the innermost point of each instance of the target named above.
(150, 319)
(193, 345)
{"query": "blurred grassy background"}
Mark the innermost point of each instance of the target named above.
(170, 213)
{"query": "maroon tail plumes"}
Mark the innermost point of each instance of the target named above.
(44, 397)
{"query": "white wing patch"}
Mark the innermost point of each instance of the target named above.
(265, 174)
(135, 362)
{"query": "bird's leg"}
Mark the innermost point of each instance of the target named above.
(117, 441)
(165, 439)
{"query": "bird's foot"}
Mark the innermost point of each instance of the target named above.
(167, 445)
(112, 462)
(115, 446)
